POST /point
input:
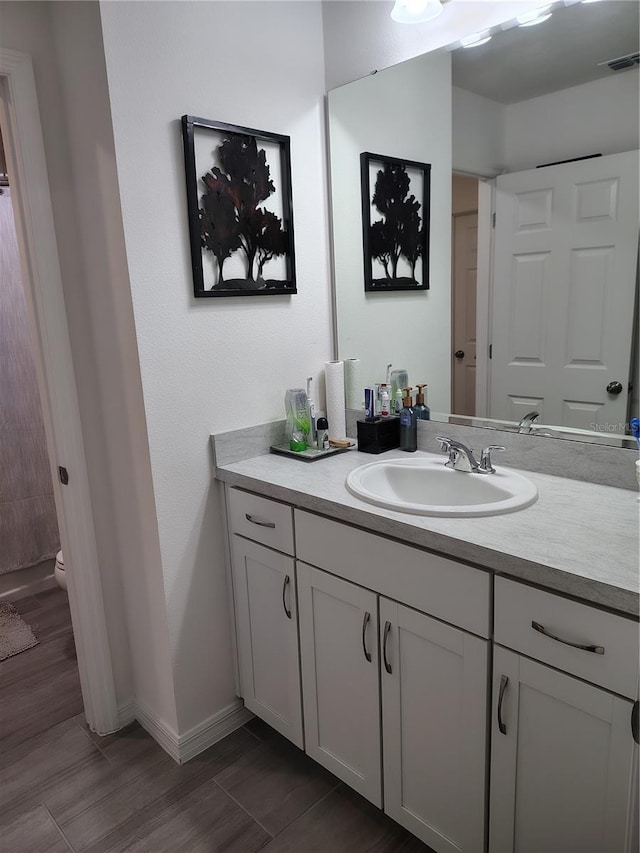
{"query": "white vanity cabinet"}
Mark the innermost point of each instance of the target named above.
(340, 681)
(563, 757)
(375, 671)
(266, 613)
(434, 711)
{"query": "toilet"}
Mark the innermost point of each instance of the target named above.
(59, 570)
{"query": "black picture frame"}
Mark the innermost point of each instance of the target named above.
(396, 243)
(240, 209)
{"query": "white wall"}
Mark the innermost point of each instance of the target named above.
(601, 117)
(99, 307)
(409, 329)
(212, 364)
(360, 37)
(478, 134)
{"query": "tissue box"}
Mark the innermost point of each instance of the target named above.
(379, 435)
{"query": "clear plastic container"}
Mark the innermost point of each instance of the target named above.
(296, 405)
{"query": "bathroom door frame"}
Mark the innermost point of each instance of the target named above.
(42, 281)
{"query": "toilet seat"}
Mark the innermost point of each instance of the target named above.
(59, 570)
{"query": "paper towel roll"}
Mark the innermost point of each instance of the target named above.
(353, 388)
(334, 381)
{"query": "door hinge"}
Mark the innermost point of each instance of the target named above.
(493, 219)
(490, 350)
(64, 475)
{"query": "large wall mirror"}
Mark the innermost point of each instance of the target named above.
(533, 296)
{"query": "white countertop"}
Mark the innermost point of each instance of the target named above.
(579, 538)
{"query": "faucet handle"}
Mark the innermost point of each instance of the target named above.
(485, 458)
(445, 443)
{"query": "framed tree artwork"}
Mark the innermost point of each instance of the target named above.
(240, 209)
(395, 222)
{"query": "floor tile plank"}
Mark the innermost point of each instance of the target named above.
(32, 831)
(343, 822)
(276, 783)
(132, 806)
(203, 818)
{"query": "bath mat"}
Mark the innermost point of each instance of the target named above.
(15, 635)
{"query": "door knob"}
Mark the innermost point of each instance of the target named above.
(614, 388)
(459, 353)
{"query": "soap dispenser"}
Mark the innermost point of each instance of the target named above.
(423, 412)
(408, 424)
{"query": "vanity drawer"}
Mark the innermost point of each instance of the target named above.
(611, 657)
(450, 591)
(261, 519)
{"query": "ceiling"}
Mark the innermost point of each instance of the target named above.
(525, 62)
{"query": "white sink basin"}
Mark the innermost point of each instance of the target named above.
(423, 486)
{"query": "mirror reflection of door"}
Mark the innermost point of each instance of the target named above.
(464, 276)
(565, 258)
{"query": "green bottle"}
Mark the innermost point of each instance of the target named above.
(423, 412)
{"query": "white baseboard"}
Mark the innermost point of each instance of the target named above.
(159, 730)
(210, 731)
(126, 713)
(185, 746)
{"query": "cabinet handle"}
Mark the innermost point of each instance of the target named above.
(365, 622)
(287, 581)
(635, 714)
(258, 522)
(596, 650)
(387, 629)
(504, 680)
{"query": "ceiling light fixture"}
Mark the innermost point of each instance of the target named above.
(476, 39)
(537, 16)
(415, 11)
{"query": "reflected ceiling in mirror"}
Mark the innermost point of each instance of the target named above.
(502, 108)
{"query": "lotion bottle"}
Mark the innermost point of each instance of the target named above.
(408, 425)
(423, 412)
(385, 404)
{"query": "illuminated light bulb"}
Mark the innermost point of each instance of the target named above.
(475, 40)
(537, 16)
(415, 11)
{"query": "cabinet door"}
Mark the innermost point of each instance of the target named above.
(434, 712)
(562, 760)
(267, 626)
(339, 647)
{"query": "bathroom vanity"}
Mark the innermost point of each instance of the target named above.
(477, 678)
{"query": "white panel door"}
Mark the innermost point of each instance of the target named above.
(339, 648)
(434, 711)
(562, 761)
(264, 586)
(563, 290)
(465, 272)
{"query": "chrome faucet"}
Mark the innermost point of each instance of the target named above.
(526, 424)
(461, 457)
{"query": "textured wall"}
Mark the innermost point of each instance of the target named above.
(28, 524)
(210, 365)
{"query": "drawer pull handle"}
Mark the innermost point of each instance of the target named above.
(635, 713)
(287, 581)
(258, 522)
(365, 622)
(596, 650)
(387, 630)
(504, 680)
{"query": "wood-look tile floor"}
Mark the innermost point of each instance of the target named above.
(63, 788)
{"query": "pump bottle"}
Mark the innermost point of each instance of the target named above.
(385, 404)
(423, 412)
(408, 424)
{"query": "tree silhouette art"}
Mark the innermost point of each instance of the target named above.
(230, 216)
(397, 240)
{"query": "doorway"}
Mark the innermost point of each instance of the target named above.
(24, 148)
(464, 270)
